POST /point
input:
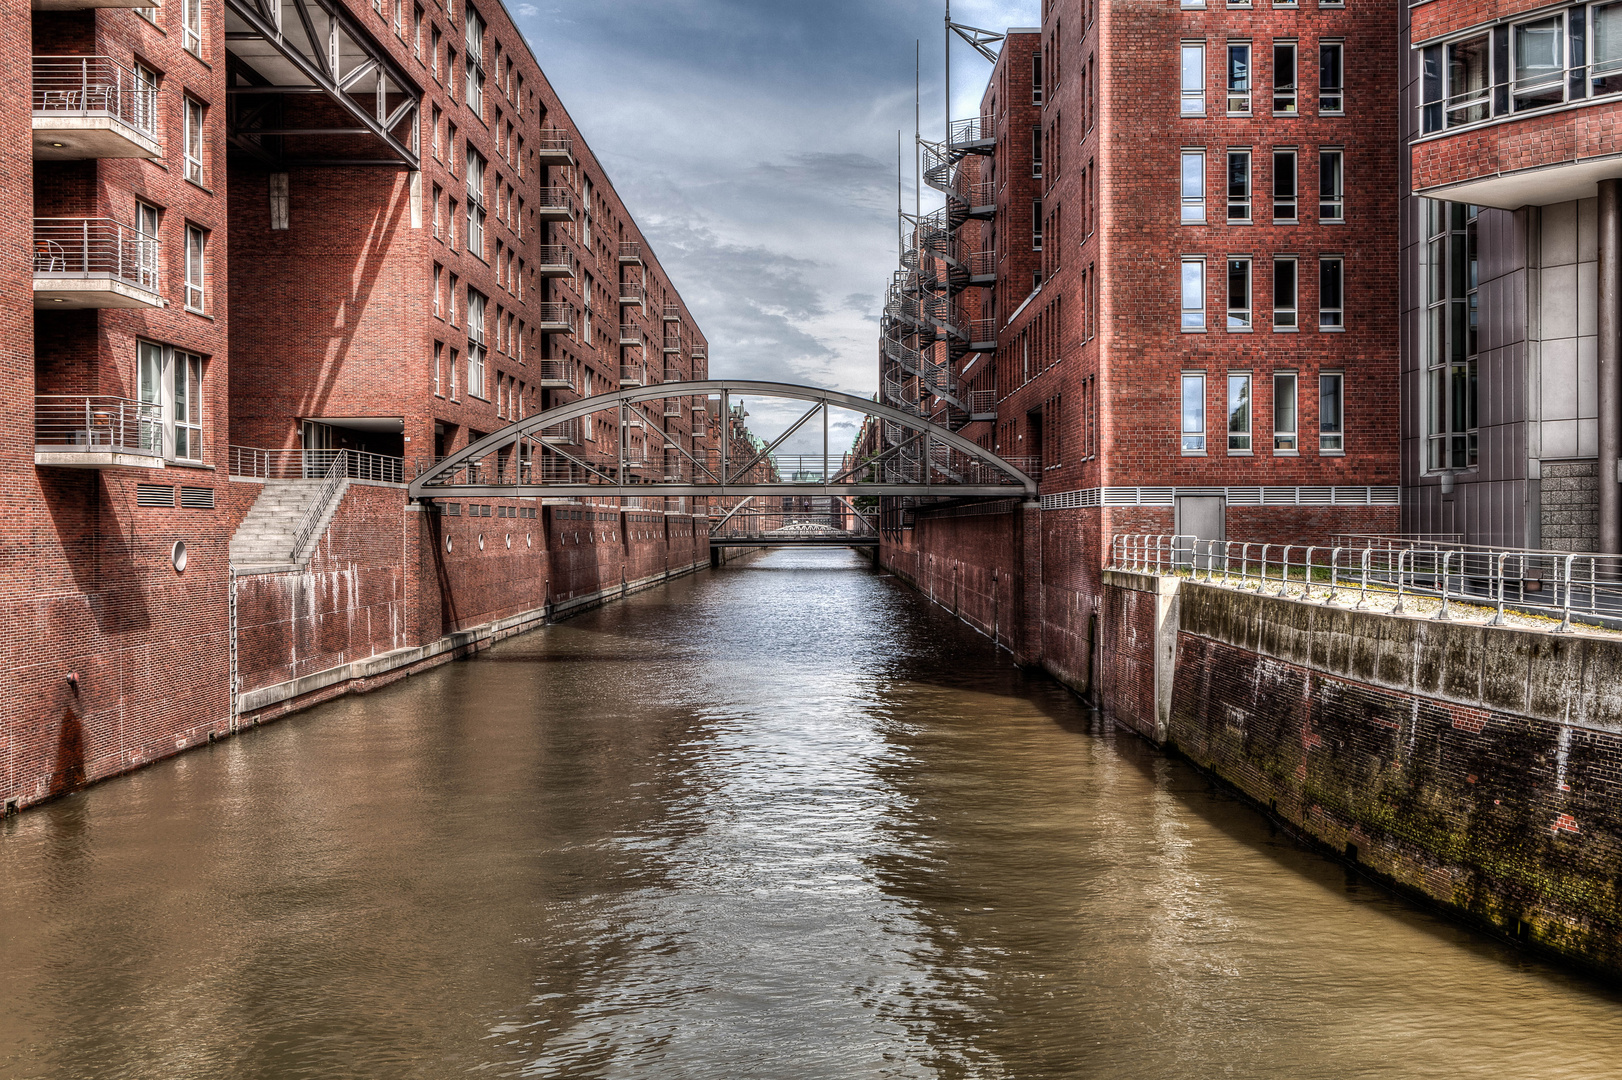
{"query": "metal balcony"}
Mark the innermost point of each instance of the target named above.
(554, 318)
(554, 146)
(635, 419)
(672, 313)
(92, 107)
(564, 433)
(700, 352)
(630, 253)
(672, 405)
(554, 204)
(674, 374)
(631, 335)
(672, 344)
(632, 375)
(554, 261)
(976, 135)
(94, 263)
(632, 292)
(982, 335)
(982, 268)
(557, 374)
(94, 431)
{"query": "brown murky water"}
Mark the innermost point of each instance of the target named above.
(780, 820)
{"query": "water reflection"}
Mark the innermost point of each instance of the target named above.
(781, 820)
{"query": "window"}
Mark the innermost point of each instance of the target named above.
(144, 103)
(1036, 151)
(475, 343)
(1036, 79)
(1193, 412)
(191, 21)
(451, 297)
(1331, 78)
(452, 368)
(1451, 339)
(439, 357)
(450, 148)
(433, 51)
(434, 116)
(1193, 80)
(1284, 292)
(1238, 414)
(1238, 185)
(1193, 186)
(170, 385)
(475, 204)
(1239, 78)
(1036, 228)
(1538, 71)
(416, 32)
(1284, 103)
(1284, 187)
(1239, 292)
(1607, 48)
(588, 287)
(474, 67)
(1193, 292)
(1331, 412)
(196, 242)
(1284, 412)
(1469, 84)
(1331, 185)
(147, 263)
(194, 140)
(439, 197)
(1331, 297)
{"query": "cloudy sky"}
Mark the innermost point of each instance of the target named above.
(755, 143)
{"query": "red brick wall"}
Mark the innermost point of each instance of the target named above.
(1561, 138)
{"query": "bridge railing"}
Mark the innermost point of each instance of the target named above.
(1394, 575)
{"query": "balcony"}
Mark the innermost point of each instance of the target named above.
(672, 405)
(976, 135)
(630, 254)
(672, 344)
(983, 268)
(554, 204)
(563, 433)
(554, 261)
(700, 352)
(982, 335)
(554, 147)
(92, 107)
(632, 292)
(94, 263)
(672, 313)
(631, 335)
(557, 374)
(635, 419)
(674, 374)
(632, 375)
(554, 318)
(93, 431)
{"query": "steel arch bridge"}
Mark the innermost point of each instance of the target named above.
(577, 458)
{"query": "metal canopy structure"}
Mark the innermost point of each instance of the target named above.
(307, 85)
(941, 463)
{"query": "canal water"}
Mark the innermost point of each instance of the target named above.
(784, 819)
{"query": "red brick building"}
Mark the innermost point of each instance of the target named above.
(283, 255)
(1190, 211)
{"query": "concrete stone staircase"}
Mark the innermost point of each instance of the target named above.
(264, 540)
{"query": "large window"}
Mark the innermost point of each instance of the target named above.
(1036, 227)
(1238, 414)
(1238, 78)
(475, 343)
(170, 385)
(191, 21)
(1193, 292)
(474, 66)
(1284, 412)
(194, 140)
(1284, 292)
(1238, 185)
(1331, 412)
(146, 256)
(1331, 185)
(196, 273)
(1331, 78)
(1284, 90)
(1607, 55)
(1193, 79)
(475, 204)
(1451, 336)
(1193, 181)
(1239, 292)
(1331, 292)
(1284, 185)
(1539, 71)
(144, 102)
(1469, 81)
(1193, 412)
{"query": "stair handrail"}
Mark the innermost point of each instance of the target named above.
(337, 473)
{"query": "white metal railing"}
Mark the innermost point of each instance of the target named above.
(700, 352)
(554, 318)
(563, 433)
(632, 375)
(557, 373)
(554, 141)
(632, 292)
(250, 462)
(85, 248)
(554, 257)
(631, 334)
(81, 86)
(672, 311)
(91, 423)
(331, 483)
(975, 129)
(630, 251)
(554, 198)
(672, 405)
(1386, 574)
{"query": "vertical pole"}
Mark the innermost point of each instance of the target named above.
(948, 80)
(917, 130)
(1610, 370)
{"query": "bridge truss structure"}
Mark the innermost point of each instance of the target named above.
(616, 445)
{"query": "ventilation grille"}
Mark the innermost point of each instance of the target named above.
(197, 498)
(452, 509)
(154, 495)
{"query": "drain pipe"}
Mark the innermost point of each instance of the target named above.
(1609, 372)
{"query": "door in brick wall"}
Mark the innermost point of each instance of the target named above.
(1203, 517)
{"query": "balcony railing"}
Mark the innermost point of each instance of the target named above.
(554, 318)
(554, 204)
(672, 405)
(632, 292)
(253, 463)
(674, 374)
(982, 332)
(554, 146)
(632, 375)
(672, 343)
(700, 352)
(90, 250)
(982, 264)
(558, 374)
(73, 93)
(96, 424)
(631, 334)
(554, 261)
(631, 253)
(563, 433)
(977, 129)
(672, 313)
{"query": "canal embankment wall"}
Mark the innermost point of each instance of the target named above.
(1475, 766)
